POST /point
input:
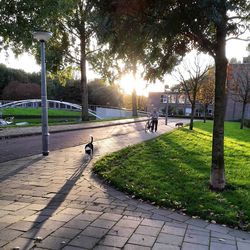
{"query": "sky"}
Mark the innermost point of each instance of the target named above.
(26, 62)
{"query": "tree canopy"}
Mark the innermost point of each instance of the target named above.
(170, 29)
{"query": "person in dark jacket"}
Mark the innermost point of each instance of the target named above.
(154, 116)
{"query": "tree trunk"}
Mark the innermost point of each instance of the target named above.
(134, 103)
(191, 125)
(205, 113)
(85, 115)
(217, 178)
(242, 116)
(134, 97)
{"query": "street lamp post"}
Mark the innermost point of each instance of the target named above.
(43, 37)
(166, 114)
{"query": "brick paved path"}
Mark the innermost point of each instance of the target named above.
(55, 202)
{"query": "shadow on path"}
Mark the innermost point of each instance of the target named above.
(56, 201)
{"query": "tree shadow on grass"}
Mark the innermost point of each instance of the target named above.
(177, 179)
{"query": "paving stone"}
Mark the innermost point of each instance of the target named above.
(52, 242)
(192, 246)
(99, 208)
(178, 217)
(24, 212)
(216, 246)
(15, 206)
(152, 223)
(222, 236)
(22, 243)
(128, 217)
(240, 234)
(170, 239)
(9, 234)
(3, 225)
(3, 243)
(173, 230)
(128, 223)
(101, 247)
(3, 212)
(10, 219)
(72, 248)
(162, 211)
(65, 232)
(111, 216)
(160, 246)
(77, 224)
(147, 230)
(224, 241)
(97, 232)
(84, 242)
(36, 207)
(133, 213)
(243, 246)
(135, 247)
(197, 238)
(50, 225)
(62, 217)
(121, 231)
(35, 232)
(176, 224)
(37, 218)
(217, 228)
(196, 231)
(143, 240)
(197, 222)
(72, 211)
(160, 217)
(103, 223)
(104, 201)
(88, 216)
(22, 225)
(113, 241)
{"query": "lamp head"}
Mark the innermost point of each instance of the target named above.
(42, 36)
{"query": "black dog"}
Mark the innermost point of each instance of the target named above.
(179, 124)
(89, 148)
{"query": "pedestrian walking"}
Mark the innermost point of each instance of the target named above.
(154, 116)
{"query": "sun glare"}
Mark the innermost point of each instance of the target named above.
(127, 83)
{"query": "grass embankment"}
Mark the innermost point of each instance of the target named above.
(174, 170)
(38, 112)
(33, 116)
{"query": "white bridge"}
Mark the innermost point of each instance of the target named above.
(97, 111)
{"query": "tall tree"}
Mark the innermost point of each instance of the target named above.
(191, 83)
(239, 86)
(72, 24)
(172, 29)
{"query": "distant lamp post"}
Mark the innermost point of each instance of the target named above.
(166, 101)
(43, 37)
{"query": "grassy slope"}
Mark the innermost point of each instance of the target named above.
(37, 112)
(173, 171)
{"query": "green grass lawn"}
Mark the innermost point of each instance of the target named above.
(174, 170)
(56, 117)
(38, 112)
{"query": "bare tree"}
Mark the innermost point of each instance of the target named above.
(205, 95)
(239, 86)
(191, 77)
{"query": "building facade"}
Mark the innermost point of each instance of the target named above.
(176, 103)
(238, 80)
